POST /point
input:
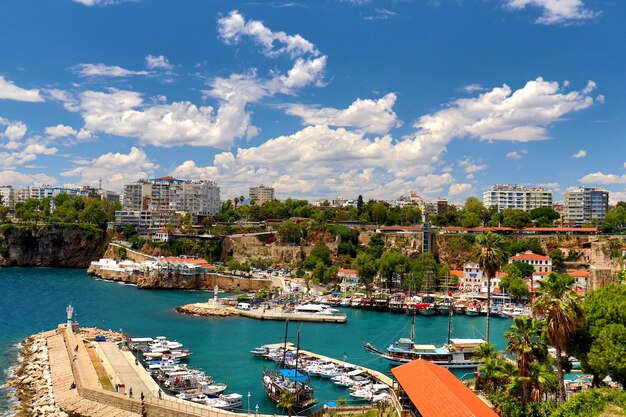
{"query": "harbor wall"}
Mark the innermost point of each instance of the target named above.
(205, 281)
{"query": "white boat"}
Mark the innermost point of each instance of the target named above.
(225, 402)
(346, 302)
(317, 309)
(472, 311)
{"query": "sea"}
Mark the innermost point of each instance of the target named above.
(34, 300)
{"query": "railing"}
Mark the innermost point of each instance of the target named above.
(185, 408)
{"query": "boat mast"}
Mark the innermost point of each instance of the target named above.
(413, 326)
(295, 375)
(285, 345)
(451, 306)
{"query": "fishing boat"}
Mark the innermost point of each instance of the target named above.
(277, 382)
(456, 353)
(225, 402)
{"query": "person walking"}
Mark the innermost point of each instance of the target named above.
(130, 392)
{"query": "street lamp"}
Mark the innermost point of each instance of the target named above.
(256, 407)
(249, 401)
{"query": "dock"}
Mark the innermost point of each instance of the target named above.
(212, 310)
(379, 376)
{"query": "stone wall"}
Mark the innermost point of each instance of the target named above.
(187, 282)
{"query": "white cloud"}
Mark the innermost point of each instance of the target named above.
(370, 116)
(514, 155)
(580, 154)
(100, 2)
(15, 130)
(601, 178)
(381, 14)
(60, 131)
(18, 178)
(124, 113)
(234, 26)
(10, 91)
(114, 169)
(308, 66)
(29, 152)
(556, 11)
(470, 167)
(102, 70)
(554, 186)
(158, 62)
(473, 88)
(456, 189)
(321, 161)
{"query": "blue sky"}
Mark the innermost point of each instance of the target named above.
(316, 98)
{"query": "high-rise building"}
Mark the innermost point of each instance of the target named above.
(442, 205)
(261, 194)
(168, 194)
(585, 205)
(505, 196)
(7, 196)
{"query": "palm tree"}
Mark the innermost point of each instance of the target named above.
(541, 379)
(560, 307)
(491, 258)
(526, 343)
(287, 400)
(486, 351)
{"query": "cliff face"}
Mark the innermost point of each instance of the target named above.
(55, 246)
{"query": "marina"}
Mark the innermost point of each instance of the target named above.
(221, 347)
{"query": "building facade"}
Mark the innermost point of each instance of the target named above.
(7, 196)
(585, 205)
(167, 194)
(261, 194)
(505, 196)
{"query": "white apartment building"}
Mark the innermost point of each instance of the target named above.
(168, 194)
(260, 194)
(7, 195)
(473, 279)
(505, 196)
(584, 205)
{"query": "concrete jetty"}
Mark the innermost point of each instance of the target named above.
(276, 313)
(65, 373)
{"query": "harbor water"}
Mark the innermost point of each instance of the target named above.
(34, 299)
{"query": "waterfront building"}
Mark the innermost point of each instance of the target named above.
(505, 196)
(260, 194)
(585, 205)
(429, 390)
(168, 195)
(349, 280)
(7, 196)
(541, 263)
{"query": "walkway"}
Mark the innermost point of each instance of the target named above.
(126, 372)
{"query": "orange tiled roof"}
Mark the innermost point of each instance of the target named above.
(194, 261)
(581, 273)
(528, 255)
(400, 227)
(436, 392)
(456, 273)
(347, 271)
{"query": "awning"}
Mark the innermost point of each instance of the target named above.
(293, 375)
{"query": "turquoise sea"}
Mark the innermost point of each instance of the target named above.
(34, 299)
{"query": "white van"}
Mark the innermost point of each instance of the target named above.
(243, 306)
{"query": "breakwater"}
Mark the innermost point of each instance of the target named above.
(276, 313)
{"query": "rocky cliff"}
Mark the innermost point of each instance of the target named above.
(55, 246)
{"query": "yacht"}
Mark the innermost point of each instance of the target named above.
(318, 309)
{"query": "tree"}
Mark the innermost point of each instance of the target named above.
(608, 352)
(525, 342)
(290, 232)
(560, 307)
(525, 270)
(288, 400)
(319, 253)
(366, 268)
(602, 308)
(557, 257)
(486, 351)
(392, 262)
(515, 218)
(359, 205)
(615, 219)
(490, 258)
(379, 212)
(544, 216)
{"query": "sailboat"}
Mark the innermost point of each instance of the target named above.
(456, 353)
(281, 380)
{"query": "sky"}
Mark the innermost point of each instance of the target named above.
(318, 99)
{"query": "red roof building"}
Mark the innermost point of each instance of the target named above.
(433, 391)
(541, 263)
